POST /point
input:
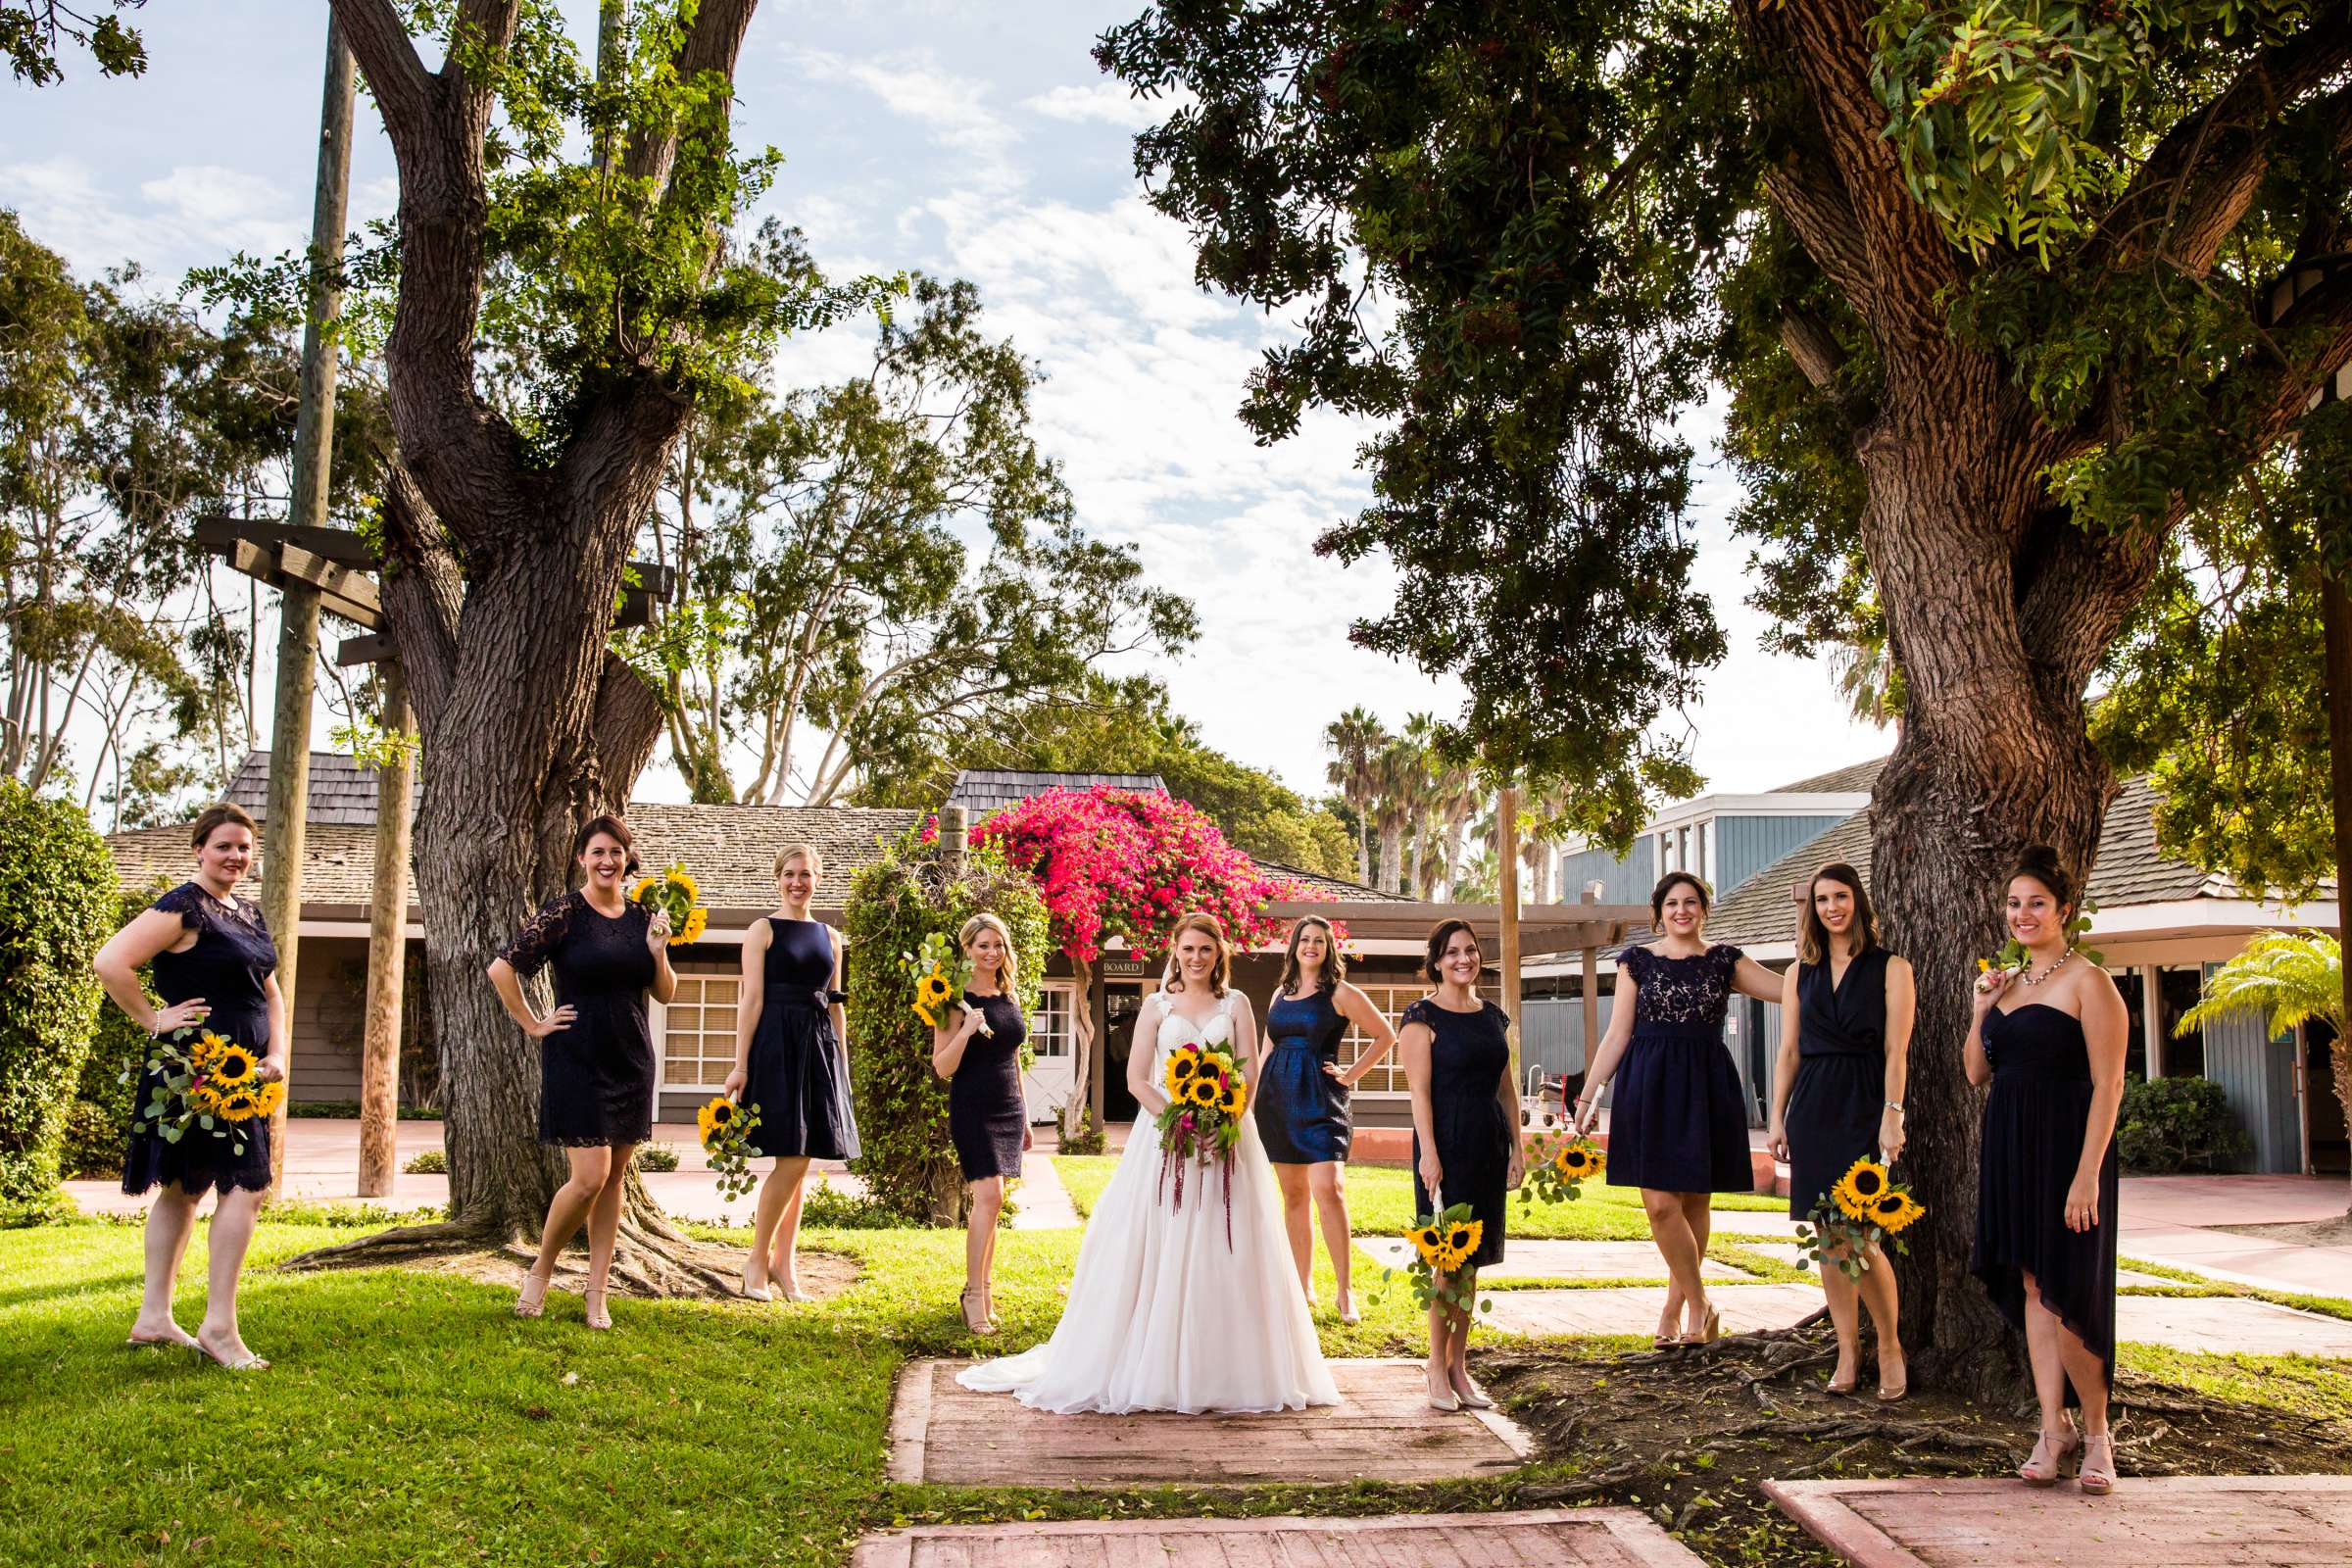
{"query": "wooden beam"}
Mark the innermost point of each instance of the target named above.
(342, 546)
(371, 649)
(347, 593)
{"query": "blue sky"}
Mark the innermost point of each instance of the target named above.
(974, 141)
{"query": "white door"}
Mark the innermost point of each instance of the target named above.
(1047, 1084)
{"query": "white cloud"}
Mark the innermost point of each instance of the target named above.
(198, 212)
(1108, 103)
(955, 109)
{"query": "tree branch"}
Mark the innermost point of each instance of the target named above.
(712, 43)
(379, 43)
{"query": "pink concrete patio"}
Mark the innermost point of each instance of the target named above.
(1557, 1537)
(2161, 1522)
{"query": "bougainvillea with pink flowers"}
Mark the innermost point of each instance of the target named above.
(1114, 862)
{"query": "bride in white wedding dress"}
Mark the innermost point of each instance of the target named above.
(1164, 1314)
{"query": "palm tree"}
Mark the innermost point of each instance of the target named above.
(1354, 739)
(2295, 979)
(1421, 735)
(1401, 776)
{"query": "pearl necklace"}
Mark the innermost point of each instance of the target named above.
(2032, 979)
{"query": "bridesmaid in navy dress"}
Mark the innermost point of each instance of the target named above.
(212, 961)
(2046, 1171)
(1300, 1100)
(596, 1049)
(791, 1061)
(1837, 1093)
(1677, 1124)
(1456, 1048)
(977, 1048)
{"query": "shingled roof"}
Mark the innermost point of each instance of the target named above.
(1862, 776)
(2131, 869)
(984, 791)
(342, 792)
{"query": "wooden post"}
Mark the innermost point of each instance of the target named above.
(2335, 622)
(955, 833)
(1506, 830)
(298, 603)
(2151, 1018)
(387, 947)
(1591, 988)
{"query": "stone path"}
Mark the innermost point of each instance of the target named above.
(2160, 1522)
(1042, 1203)
(1635, 1308)
(1566, 1260)
(2223, 1324)
(941, 1433)
(1558, 1537)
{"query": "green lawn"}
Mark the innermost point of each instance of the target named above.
(1380, 1203)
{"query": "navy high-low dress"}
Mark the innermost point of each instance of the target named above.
(986, 1110)
(596, 1077)
(1301, 1110)
(2033, 1121)
(798, 1075)
(1677, 1120)
(1468, 1055)
(229, 968)
(1840, 1096)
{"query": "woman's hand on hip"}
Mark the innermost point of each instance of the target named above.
(180, 1015)
(541, 1028)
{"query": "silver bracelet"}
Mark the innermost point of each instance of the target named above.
(1896, 1106)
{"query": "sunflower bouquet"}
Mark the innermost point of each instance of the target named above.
(2013, 955)
(209, 1084)
(1866, 1207)
(677, 895)
(941, 973)
(726, 1131)
(1208, 1096)
(1561, 1165)
(1442, 1245)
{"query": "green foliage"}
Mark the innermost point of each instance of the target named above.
(2289, 980)
(2176, 1124)
(118, 1045)
(90, 1142)
(57, 907)
(657, 1157)
(427, 1162)
(31, 32)
(1087, 1138)
(909, 1163)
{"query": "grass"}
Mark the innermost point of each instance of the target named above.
(1380, 1203)
(2305, 1384)
(2194, 1284)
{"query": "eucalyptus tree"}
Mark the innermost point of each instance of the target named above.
(1990, 287)
(603, 205)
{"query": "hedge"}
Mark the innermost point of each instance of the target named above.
(909, 1163)
(2176, 1124)
(57, 905)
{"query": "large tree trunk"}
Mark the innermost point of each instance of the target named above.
(1074, 1110)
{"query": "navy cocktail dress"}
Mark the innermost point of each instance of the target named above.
(798, 1075)
(1840, 1096)
(596, 1076)
(1678, 1122)
(986, 1111)
(1468, 1055)
(2035, 1118)
(1301, 1110)
(229, 966)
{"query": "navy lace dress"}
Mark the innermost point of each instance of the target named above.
(798, 1075)
(1677, 1120)
(1301, 1110)
(1840, 1096)
(986, 1111)
(596, 1077)
(229, 968)
(1468, 1055)
(2034, 1122)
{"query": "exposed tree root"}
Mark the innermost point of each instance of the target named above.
(646, 1262)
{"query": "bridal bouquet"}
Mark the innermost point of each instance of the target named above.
(1207, 1101)
(677, 895)
(1866, 1207)
(207, 1083)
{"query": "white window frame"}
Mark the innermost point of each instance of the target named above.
(1039, 1034)
(664, 1078)
(1399, 995)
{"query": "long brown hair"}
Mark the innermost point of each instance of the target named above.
(1334, 963)
(1172, 979)
(1813, 938)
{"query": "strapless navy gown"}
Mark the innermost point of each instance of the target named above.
(2034, 1122)
(229, 966)
(798, 1075)
(1301, 1110)
(986, 1111)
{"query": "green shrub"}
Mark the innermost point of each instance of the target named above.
(657, 1157)
(110, 1075)
(2174, 1124)
(427, 1162)
(1088, 1139)
(349, 1110)
(93, 1143)
(827, 1207)
(909, 1164)
(58, 903)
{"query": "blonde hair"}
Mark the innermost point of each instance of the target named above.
(800, 851)
(1172, 978)
(1008, 977)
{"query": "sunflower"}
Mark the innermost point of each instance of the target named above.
(240, 1104)
(1863, 1184)
(930, 996)
(205, 1097)
(1204, 1093)
(233, 1065)
(1427, 1241)
(697, 921)
(1182, 1065)
(718, 1114)
(272, 1095)
(1578, 1161)
(1460, 1240)
(1237, 1096)
(1894, 1212)
(208, 1046)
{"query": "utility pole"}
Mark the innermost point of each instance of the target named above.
(298, 603)
(387, 944)
(1506, 840)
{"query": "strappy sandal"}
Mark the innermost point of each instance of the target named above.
(600, 1317)
(2096, 1476)
(2046, 1466)
(978, 1321)
(248, 1362)
(1710, 1333)
(532, 1301)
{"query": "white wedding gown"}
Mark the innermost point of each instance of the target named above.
(1162, 1314)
